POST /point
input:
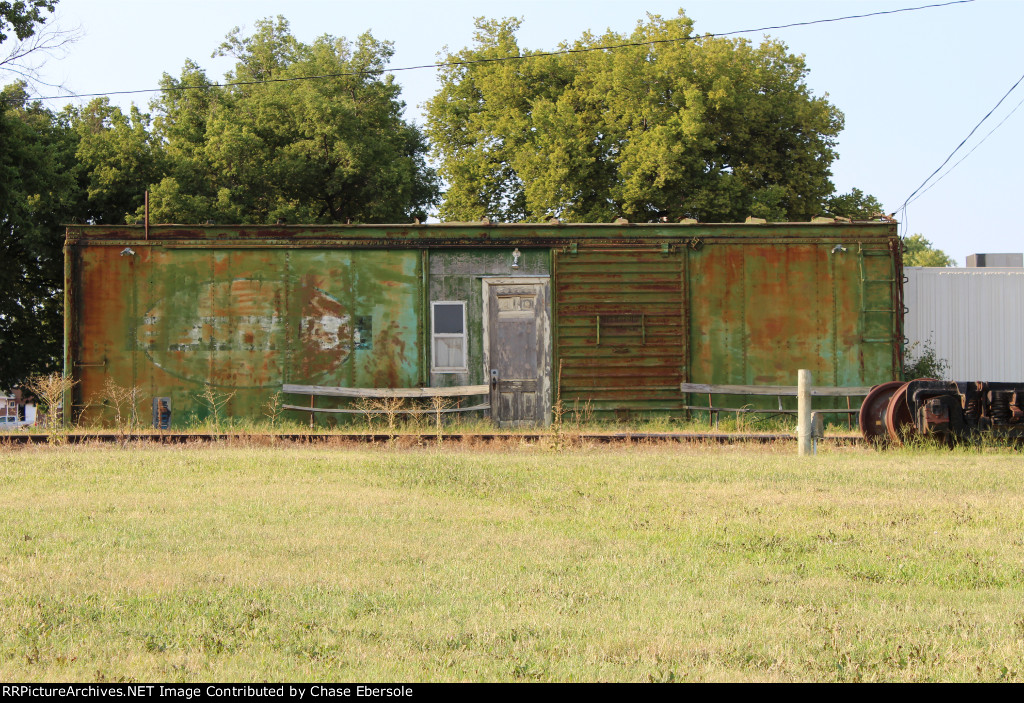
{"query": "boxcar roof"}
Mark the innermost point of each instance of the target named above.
(476, 233)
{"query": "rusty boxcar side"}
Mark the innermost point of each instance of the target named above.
(616, 315)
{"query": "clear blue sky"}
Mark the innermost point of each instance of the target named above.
(911, 85)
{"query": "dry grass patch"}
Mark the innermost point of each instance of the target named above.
(510, 562)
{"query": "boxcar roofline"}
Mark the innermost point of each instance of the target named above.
(477, 234)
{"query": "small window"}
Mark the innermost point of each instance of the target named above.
(449, 335)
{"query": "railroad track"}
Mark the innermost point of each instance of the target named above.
(15, 438)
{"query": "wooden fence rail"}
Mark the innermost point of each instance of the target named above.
(466, 391)
(384, 393)
(777, 391)
(824, 391)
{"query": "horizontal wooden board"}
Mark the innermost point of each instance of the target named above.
(768, 411)
(623, 376)
(616, 259)
(667, 317)
(619, 405)
(721, 389)
(581, 361)
(404, 411)
(625, 384)
(636, 300)
(600, 279)
(639, 283)
(385, 392)
(632, 348)
(646, 338)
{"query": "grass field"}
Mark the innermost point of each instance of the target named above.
(518, 562)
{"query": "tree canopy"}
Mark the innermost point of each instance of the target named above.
(678, 125)
(332, 149)
(269, 145)
(39, 193)
(34, 41)
(119, 157)
(857, 205)
(920, 252)
(22, 16)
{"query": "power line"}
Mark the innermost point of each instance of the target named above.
(982, 141)
(449, 64)
(906, 202)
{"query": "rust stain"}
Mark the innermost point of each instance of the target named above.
(388, 361)
(219, 332)
(325, 333)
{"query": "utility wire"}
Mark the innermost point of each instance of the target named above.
(906, 202)
(500, 59)
(950, 169)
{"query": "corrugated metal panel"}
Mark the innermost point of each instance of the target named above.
(974, 318)
(620, 328)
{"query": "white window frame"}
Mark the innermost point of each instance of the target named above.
(434, 336)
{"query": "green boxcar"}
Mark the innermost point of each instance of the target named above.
(611, 316)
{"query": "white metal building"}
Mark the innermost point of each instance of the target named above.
(974, 318)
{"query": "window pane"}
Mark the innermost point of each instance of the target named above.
(448, 352)
(448, 318)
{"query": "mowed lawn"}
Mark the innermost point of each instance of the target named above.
(520, 562)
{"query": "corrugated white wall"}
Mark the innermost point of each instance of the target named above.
(974, 317)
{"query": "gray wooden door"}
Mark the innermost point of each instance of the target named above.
(519, 356)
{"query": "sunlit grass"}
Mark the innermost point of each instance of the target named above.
(572, 424)
(511, 563)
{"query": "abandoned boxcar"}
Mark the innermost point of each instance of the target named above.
(613, 315)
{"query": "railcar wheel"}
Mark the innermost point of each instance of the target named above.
(899, 420)
(872, 411)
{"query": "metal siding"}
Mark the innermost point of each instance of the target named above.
(762, 311)
(101, 307)
(880, 310)
(974, 318)
(173, 320)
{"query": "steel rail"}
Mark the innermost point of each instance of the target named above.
(16, 438)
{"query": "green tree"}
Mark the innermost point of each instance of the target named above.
(690, 126)
(32, 40)
(119, 158)
(39, 193)
(22, 16)
(920, 252)
(279, 146)
(36, 188)
(856, 205)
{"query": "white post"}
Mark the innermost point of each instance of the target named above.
(803, 412)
